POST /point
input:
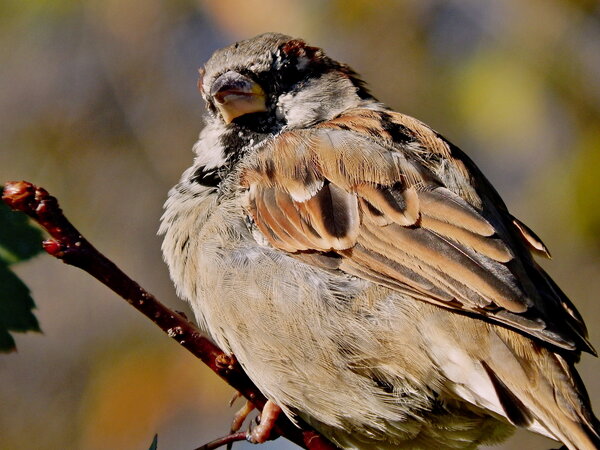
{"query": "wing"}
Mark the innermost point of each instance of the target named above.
(387, 199)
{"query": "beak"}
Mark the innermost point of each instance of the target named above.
(236, 95)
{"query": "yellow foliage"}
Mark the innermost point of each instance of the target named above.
(500, 98)
(585, 180)
(131, 394)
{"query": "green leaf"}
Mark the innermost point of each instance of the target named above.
(154, 445)
(15, 308)
(7, 343)
(18, 241)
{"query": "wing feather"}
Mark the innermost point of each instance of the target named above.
(445, 264)
(446, 206)
(333, 213)
(534, 243)
(399, 207)
(417, 217)
(289, 215)
(268, 225)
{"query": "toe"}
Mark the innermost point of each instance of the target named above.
(268, 417)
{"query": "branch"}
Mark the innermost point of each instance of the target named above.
(226, 440)
(71, 247)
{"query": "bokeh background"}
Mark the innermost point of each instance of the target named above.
(98, 104)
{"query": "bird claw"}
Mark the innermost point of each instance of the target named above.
(240, 416)
(237, 395)
(262, 432)
(265, 421)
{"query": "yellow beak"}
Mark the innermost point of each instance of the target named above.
(236, 95)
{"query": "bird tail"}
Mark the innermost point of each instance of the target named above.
(552, 400)
(579, 427)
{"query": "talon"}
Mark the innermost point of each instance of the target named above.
(240, 416)
(237, 395)
(269, 415)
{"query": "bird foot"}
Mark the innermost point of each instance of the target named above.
(240, 416)
(263, 431)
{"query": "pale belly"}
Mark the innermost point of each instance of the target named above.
(356, 360)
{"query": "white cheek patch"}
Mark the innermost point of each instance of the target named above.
(320, 99)
(298, 109)
(208, 149)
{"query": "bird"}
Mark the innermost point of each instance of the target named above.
(362, 270)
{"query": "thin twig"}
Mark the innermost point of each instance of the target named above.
(229, 439)
(71, 247)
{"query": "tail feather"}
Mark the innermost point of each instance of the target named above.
(553, 396)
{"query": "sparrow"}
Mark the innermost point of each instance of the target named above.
(363, 271)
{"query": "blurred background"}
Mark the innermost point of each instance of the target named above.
(98, 104)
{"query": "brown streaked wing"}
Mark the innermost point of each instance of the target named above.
(273, 231)
(493, 248)
(401, 207)
(391, 220)
(333, 213)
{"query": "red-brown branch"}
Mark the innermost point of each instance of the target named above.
(225, 440)
(71, 247)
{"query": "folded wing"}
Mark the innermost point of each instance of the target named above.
(406, 213)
